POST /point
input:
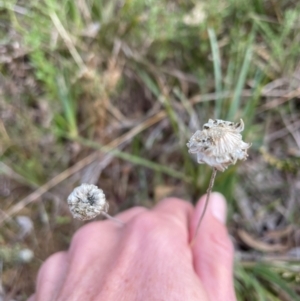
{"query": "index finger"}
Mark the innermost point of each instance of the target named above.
(175, 209)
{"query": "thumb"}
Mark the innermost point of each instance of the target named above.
(213, 251)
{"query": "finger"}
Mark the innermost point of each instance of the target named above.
(92, 252)
(213, 251)
(95, 233)
(178, 210)
(101, 236)
(131, 213)
(51, 276)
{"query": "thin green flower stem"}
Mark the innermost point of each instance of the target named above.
(209, 189)
(113, 218)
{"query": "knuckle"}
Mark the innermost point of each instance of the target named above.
(84, 234)
(129, 214)
(53, 260)
(177, 203)
(137, 233)
(80, 234)
(153, 228)
(156, 232)
(149, 227)
(146, 222)
(138, 209)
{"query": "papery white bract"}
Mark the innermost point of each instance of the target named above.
(219, 144)
(87, 201)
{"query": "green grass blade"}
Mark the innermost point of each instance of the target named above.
(272, 39)
(250, 109)
(217, 70)
(151, 85)
(165, 101)
(68, 106)
(244, 278)
(240, 84)
(266, 273)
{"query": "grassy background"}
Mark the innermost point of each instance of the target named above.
(109, 92)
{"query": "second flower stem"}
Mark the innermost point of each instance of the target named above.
(209, 189)
(113, 218)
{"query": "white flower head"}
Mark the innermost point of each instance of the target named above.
(219, 144)
(87, 201)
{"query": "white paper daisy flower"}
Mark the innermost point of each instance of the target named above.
(87, 201)
(219, 144)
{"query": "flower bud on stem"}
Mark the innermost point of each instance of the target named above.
(87, 201)
(218, 145)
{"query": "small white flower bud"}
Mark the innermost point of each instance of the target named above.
(87, 201)
(219, 144)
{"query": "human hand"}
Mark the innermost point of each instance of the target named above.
(148, 259)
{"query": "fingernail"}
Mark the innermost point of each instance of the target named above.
(219, 207)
